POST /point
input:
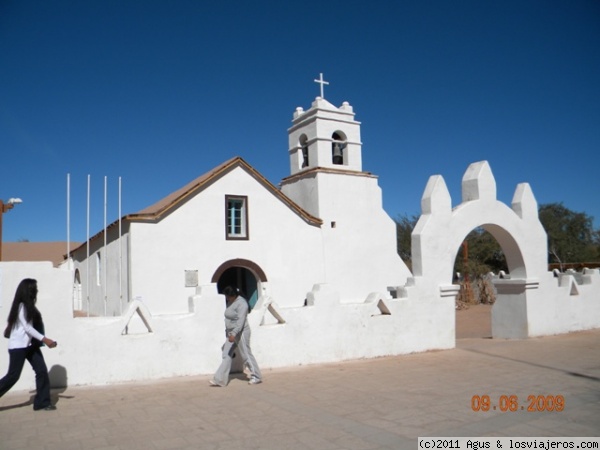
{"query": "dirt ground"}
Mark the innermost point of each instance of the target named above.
(474, 322)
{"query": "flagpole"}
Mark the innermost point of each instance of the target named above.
(68, 220)
(120, 255)
(105, 258)
(88, 246)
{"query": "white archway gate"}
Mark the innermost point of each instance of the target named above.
(441, 229)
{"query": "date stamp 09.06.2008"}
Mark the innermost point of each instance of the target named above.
(512, 403)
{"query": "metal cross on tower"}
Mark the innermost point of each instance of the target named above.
(322, 82)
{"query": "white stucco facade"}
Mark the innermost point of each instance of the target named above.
(318, 256)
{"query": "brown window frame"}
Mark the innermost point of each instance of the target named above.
(244, 225)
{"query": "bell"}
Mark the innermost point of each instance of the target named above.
(338, 156)
(304, 157)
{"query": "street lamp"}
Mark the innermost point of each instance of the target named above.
(4, 207)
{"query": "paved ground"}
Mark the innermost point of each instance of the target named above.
(367, 404)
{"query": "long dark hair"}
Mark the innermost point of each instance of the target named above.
(27, 294)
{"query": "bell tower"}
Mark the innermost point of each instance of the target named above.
(324, 136)
(326, 173)
(327, 180)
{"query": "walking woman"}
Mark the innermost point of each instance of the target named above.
(24, 325)
(237, 333)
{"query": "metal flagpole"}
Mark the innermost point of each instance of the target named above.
(68, 220)
(120, 255)
(88, 247)
(105, 258)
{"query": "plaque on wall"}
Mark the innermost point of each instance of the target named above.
(191, 278)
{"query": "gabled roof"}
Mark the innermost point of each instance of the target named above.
(172, 201)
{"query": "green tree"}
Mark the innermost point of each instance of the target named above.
(404, 227)
(571, 235)
(484, 254)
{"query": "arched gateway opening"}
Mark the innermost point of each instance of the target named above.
(245, 275)
(480, 259)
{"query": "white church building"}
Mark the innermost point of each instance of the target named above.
(231, 226)
(316, 257)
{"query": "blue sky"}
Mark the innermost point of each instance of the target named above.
(159, 92)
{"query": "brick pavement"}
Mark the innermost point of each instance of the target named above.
(365, 404)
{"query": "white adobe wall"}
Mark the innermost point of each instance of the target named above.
(359, 238)
(97, 351)
(563, 304)
(331, 330)
(360, 246)
(550, 305)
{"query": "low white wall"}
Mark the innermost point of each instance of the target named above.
(563, 304)
(108, 350)
(546, 306)
(104, 350)
(332, 331)
(96, 350)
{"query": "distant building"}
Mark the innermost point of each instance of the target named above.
(55, 252)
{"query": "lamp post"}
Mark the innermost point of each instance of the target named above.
(4, 207)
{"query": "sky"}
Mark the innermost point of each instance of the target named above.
(157, 93)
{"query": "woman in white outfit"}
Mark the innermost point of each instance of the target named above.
(237, 332)
(23, 319)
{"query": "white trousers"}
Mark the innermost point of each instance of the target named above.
(242, 343)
